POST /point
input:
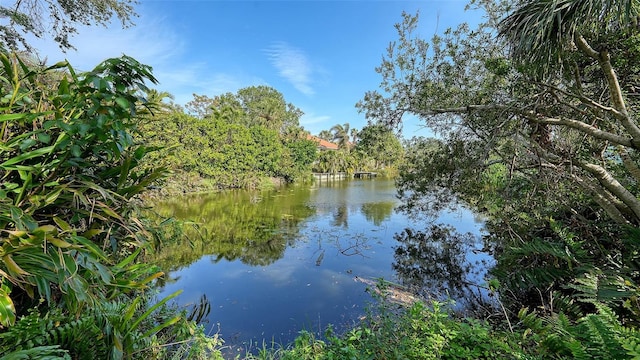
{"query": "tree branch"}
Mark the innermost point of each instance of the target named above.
(615, 92)
(610, 183)
(532, 116)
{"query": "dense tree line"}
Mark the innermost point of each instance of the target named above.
(231, 140)
(374, 148)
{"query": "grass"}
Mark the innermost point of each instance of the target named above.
(391, 331)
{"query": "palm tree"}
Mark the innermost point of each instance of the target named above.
(156, 104)
(354, 136)
(341, 135)
(326, 135)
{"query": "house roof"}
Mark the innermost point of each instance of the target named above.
(322, 143)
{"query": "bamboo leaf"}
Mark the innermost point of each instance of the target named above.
(12, 266)
(164, 325)
(11, 117)
(152, 309)
(59, 243)
(7, 308)
(26, 156)
(129, 259)
(90, 246)
(62, 224)
(152, 277)
(45, 229)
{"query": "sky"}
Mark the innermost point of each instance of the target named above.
(321, 55)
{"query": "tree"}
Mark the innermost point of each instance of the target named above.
(58, 18)
(541, 33)
(266, 106)
(552, 128)
(325, 135)
(544, 141)
(381, 144)
(201, 106)
(341, 135)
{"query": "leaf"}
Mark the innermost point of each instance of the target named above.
(12, 266)
(152, 277)
(27, 143)
(124, 103)
(59, 243)
(7, 309)
(45, 229)
(27, 156)
(152, 309)
(165, 324)
(129, 258)
(70, 264)
(62, 224)
(90, 246)
(10, 117)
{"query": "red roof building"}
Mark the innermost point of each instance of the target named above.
(322, 143)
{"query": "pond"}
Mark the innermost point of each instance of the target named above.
(273, 263)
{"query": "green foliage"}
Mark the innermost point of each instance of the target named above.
(536, 127)
(112, 330)
(235, 141)
(69, 168)
(331, 161)
(540, 31)
(417, 332)
(380, 144)
(598, 335)
(252, 227)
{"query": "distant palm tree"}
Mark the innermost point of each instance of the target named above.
(341, 135)
(325, 135)
(155, 102)
(354, 136)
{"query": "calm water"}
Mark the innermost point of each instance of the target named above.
(274, 263)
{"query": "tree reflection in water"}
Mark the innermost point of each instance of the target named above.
(438, 263)
(253, 227)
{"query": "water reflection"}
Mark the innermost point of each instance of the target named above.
(439, 262)
(377, 212)
(252, 227)
(272, 263)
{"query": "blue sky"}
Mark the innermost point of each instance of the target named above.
(321, 55)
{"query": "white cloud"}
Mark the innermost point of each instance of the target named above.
(293, 65)
(151, 42)
(315, 123)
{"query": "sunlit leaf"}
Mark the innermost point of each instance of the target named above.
(59, 243)
(7, 309)
(62, 224)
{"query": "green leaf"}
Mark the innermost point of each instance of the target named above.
(26, 156)
(27, 143)
(59, 243)
(76, 151)
(124, 103)
(62, 224)
(152, 309)
(44, 137)
(92, 247)
(10, 117)
(7, 309)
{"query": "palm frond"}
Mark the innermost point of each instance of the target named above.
(539, 30)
